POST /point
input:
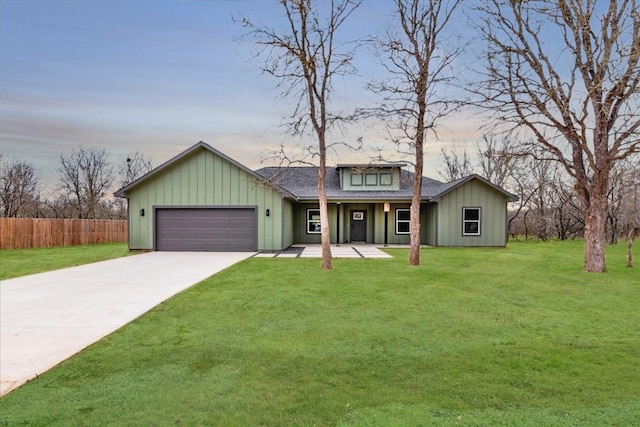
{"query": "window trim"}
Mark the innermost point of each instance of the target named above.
(403, 221)
(386, 174)
(310, 221)
(466, 221)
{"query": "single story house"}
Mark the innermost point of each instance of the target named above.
(202, 200)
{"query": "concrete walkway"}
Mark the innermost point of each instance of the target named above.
(48, 317)
(345, 250)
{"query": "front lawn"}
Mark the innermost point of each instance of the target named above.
(473, 337)
(20, 262)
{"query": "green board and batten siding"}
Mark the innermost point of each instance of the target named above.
(203, 178)
(493, 216)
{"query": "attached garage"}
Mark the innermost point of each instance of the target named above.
(215, 229)
(202, 200)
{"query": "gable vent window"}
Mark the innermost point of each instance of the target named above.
(403, 221)
(470, 221)
(313, 221)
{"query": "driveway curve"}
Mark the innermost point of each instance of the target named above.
(48, 317)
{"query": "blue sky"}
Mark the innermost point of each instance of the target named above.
(157, 76)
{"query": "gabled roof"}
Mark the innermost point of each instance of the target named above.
(450, 186)
(301, 183)
(200, 145)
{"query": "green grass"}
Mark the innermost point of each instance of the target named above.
(20, 262)
(473, 337)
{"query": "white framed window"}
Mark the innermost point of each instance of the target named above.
(313, 221)
(356, 179)
(403, 221)
(385, 179)
(471, 221)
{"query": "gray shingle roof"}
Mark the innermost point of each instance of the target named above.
(302, 182)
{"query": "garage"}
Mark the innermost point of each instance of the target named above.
(208, 229)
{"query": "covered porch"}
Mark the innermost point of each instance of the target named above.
(363, 222)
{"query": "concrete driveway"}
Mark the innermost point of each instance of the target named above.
(48, 317)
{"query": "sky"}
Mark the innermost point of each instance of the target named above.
(157, 76)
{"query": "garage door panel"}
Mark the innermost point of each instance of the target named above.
(206, 229)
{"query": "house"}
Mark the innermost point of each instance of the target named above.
(202, 200)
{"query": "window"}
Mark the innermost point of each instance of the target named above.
(470, 221)
(356, 179)
(385, 179)
(313, 221)
(371, 179)
(403, 221)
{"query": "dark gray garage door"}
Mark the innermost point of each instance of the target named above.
(206, 229)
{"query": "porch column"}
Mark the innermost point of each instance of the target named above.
(338, 205)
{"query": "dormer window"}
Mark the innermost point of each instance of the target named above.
(371, 179)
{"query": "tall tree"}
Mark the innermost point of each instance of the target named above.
(18, 187)
(418, 64)
(85, 177)
(568, 72)
(305, 55)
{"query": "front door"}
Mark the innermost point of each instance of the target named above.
(358, 226)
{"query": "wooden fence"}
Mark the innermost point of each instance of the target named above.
(18, 233)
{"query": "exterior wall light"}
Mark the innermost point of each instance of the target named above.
(141, 212)
(268, 212)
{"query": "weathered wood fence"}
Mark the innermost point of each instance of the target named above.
(18, 233)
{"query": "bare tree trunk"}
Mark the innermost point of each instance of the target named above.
(632, 234)
(416, 197)
(595, 238)
(324, 215)
(414, 252)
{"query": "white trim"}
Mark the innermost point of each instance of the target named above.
(310, 221)
(471, 221)
(403, 221)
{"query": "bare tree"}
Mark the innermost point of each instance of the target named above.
(578, 96)
(498, 157)
(305, 56)
(85, 178)
(61, 206)
(418, 64)
(456, 164)
(18, 188)
(135, 165)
